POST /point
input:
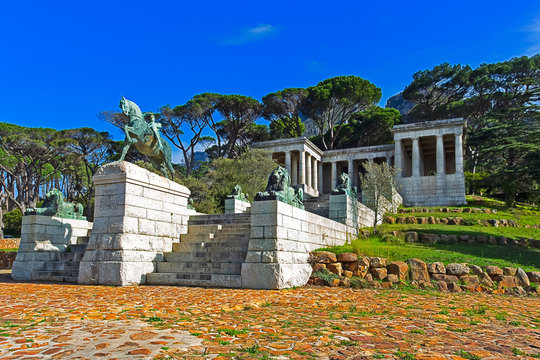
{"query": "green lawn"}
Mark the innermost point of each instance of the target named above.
(477, 254)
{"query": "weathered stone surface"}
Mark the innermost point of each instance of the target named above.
(319, 267)
(464, 238)
(398, 268)
(347, 273)
(446, 278)
(506, 281)
(534, 276)
(368, 277)
(481, 239)
(457, 269)
(486, 280)
(436, 268)
(522, 278)
(441, 286)
(430, 238)
(379, 273)
(493, 271)
(411, 220)
(335, 268)
(323, 257)
(454, 287)
(476, 270)
(393, 278)
(411, 236)
(418, 270)
(347, 257)
(509, 271)
(274, 276)
(377, 262)
(469, 279)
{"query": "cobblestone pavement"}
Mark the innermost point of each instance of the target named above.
(61, 321)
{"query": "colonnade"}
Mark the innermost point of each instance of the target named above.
(304, 169)
(416, 164)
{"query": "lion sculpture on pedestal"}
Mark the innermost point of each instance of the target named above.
(54, 205)
(279, 188)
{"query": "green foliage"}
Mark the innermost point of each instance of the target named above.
(500, 103)
(378, 184)
(466, 355)
(250, 170)
(477, 254)
(475, 183)
(282, 109)
(391, 239)
(332, 102)
(13, 222)
(326, 276)
(370, 127)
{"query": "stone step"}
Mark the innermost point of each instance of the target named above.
(222, 219)
(61, 266)
(78, 248)
(216, 280)
(58, 276)
(232, 245)
(204, 229)
(203, 256)
(205, 268)
(70, 256)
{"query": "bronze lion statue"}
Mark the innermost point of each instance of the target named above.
(54, 205)
(344, 186)
(279, 188)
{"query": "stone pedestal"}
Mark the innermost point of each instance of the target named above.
(235, 206)
(137, 216)
(281, 238)
(347, 210)
(42, 238)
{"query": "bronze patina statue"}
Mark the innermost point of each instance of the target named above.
(54, 205)
(146, 138)
(279, 188)
(344, 186)
(238, 194)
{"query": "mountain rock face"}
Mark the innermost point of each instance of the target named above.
(398, 102)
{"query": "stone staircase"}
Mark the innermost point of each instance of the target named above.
(319, 205)
(210, 254)
(65, 265)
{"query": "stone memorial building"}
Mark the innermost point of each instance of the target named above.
(428, 157)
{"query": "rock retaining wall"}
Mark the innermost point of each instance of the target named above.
(427, 238)
(351, 270)
(6, 259)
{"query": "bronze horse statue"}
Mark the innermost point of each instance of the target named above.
(146, 138)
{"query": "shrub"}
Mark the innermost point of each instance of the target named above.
(13, 222)
(325, 276)
(391, 239)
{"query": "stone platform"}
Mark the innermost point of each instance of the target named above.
(138, 215)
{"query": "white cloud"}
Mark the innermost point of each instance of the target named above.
(251, 34)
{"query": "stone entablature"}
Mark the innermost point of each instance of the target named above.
(422, 151)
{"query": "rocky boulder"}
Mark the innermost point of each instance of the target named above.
(418, 270)
(323, 257)
(457, 269)
(436, 268)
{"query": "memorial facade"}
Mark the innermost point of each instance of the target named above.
(428, 157)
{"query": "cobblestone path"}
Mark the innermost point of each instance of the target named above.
(97, 322)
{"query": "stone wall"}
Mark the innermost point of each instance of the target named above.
(347, 269)
(281, 238)
(137, 216)
(447, 190)
(342, 210)
(9, 243)
(235, 206)
(42, 237)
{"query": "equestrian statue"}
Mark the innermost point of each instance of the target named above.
(146, 138)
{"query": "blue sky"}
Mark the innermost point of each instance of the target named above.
(63, 62)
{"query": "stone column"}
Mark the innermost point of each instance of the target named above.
(288, 161)
(334, 175)
(415, 158)
(320, 166)
(397, 158)
(350, 170)
(302, 170)
(308, 169)
(315, 175)
(440, 155)
(459, 154)
(294, 172)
